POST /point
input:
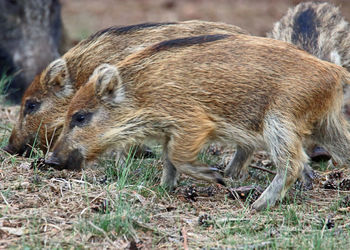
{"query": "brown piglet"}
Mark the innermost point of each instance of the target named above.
(46, 100)
(235, 89)
(320, 29)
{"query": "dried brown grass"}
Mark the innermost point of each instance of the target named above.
(48, 209)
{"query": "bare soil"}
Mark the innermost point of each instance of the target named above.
(45, 208)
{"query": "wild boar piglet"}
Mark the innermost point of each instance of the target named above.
(185, 93)
(46, 100)
(320, 29)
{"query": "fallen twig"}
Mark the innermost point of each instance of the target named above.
(184, 234)
(263, 169)
(3, 197)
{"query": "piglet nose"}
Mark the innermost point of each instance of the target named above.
(52, 160)
(320, 154)
(9, 149)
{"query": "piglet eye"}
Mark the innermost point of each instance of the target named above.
(31, 107)
(80, 118)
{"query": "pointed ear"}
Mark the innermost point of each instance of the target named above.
(108, 83)
(56, 77)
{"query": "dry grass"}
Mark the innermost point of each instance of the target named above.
(123, 207)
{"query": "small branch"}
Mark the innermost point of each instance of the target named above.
(3, 197)
(263, 169)
(184, 234)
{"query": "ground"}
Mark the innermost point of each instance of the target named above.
(114, 207)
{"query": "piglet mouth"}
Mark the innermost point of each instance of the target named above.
(9, 149)
(24, 150)
(54, 162)
(73, 162)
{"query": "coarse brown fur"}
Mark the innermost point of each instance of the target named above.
(320, 29)
(250, 91)
(56, 85)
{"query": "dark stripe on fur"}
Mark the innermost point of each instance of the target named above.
(119, 30)
(305, 30)
(187, 41)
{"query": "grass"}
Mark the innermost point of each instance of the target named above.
(4, 135)
(5, 80)
(121, 216)
(121, 205)
(5, 125)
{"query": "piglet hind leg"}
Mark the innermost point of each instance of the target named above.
(170, 174)
(200, 172)
(289, 156)
(183, 150)
(277, 189)
(237, 167)
(307, 176)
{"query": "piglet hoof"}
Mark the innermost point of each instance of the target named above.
(320, 154)
(241, 175)
(169, 186)
(217, 176)
(308, 175)
(221, 181)
(262, 203)
(259, 205)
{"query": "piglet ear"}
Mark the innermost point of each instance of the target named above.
(108, 83)
(56, 78)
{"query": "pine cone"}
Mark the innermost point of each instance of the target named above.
(345, 202)
(330, 184)
(204, 220)
(345, 185)
(191, 193)
(39, 164)
(337, 174)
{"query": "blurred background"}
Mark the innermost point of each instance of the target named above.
(81, 17)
